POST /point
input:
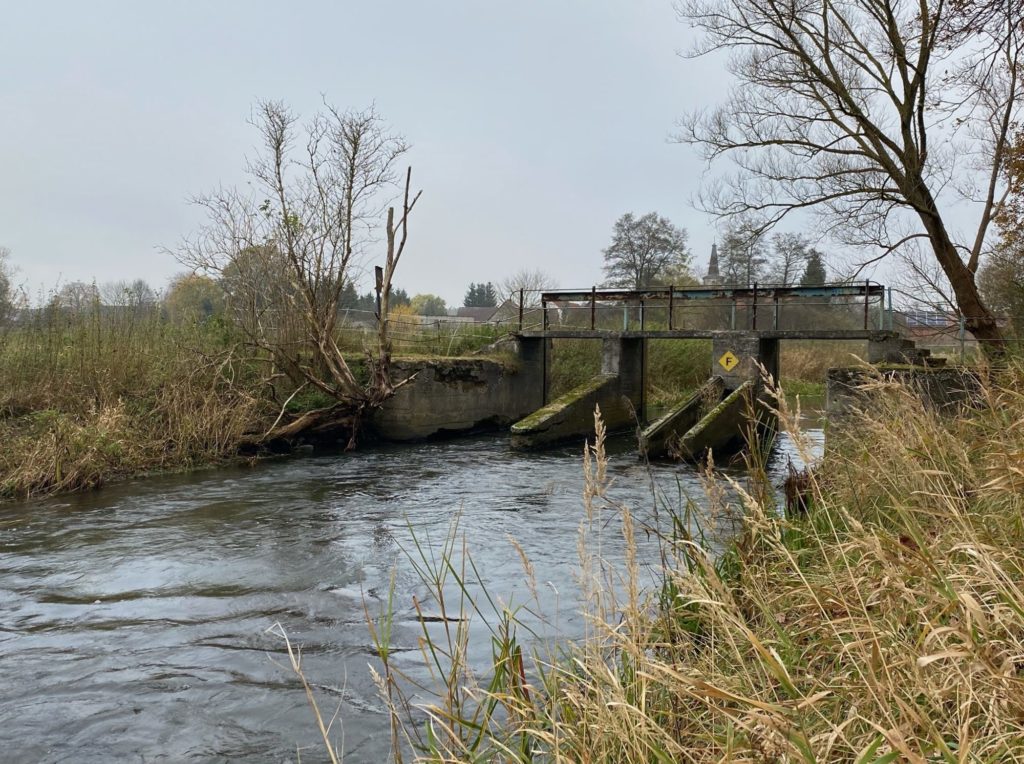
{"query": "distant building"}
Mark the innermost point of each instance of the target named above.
(713, 278)
(479, 315)
(506, 311)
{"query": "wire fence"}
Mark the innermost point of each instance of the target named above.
(423, 335)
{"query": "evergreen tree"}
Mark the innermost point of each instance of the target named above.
(814, 273)
(349, 299)
(481, 296)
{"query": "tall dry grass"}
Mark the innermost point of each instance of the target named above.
(99, 393)
(886, 624)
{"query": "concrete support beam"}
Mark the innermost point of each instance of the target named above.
(660, 437)
(725, 428)
(618, 390)
(533, 369)
(749, 349)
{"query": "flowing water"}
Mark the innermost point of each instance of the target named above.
(134, 620)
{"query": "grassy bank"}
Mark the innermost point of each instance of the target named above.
(97, 394)
(885, 624)
(90, 397)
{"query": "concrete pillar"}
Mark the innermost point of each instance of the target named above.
(626, 359)
(748, 349)
(618, 390)
(533, 368)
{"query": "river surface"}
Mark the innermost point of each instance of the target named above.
(135, 621)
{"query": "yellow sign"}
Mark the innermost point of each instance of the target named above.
(728, 361)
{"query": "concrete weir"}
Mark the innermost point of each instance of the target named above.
(660, 438)
(453, 395)
(618, 391)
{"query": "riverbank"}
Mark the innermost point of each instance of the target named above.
(99, 395)
(884, 624)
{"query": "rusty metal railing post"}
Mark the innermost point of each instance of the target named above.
(520, 310)
(867, 294)
(753, 310)
(593, 308)
(643, 314)
(544, 313)
(671, 305)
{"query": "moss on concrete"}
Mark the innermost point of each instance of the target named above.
(557, 406)
(656, 438)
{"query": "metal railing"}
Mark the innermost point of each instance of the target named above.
(755, 307)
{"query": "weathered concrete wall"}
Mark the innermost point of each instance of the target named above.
(946, 389)
(618, 390)
(893, 349)
(452, 395)
(722, 429)
(750, 349)
(660, 435)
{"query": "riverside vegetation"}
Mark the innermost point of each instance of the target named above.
(100, 393)
(884, 623)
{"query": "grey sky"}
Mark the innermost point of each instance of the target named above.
(534, 125)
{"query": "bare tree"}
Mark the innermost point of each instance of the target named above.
(531, 282)
(870, 112)
(285, 247)
(76, 297)
(129, 294)
(789, 255)
(742, 253)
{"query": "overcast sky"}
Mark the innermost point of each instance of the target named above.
(534, 124)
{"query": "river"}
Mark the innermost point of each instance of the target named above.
(134, 620)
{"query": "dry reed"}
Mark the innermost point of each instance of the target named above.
(886, 624)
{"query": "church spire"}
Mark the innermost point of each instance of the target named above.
(712, 276)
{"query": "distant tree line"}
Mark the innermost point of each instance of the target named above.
(650, 250)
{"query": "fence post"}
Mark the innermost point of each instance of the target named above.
(544, 313)
(671, 305)
(593, 307)
(867, 292)
(753, 310)
(963, 337)
(520, 310)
